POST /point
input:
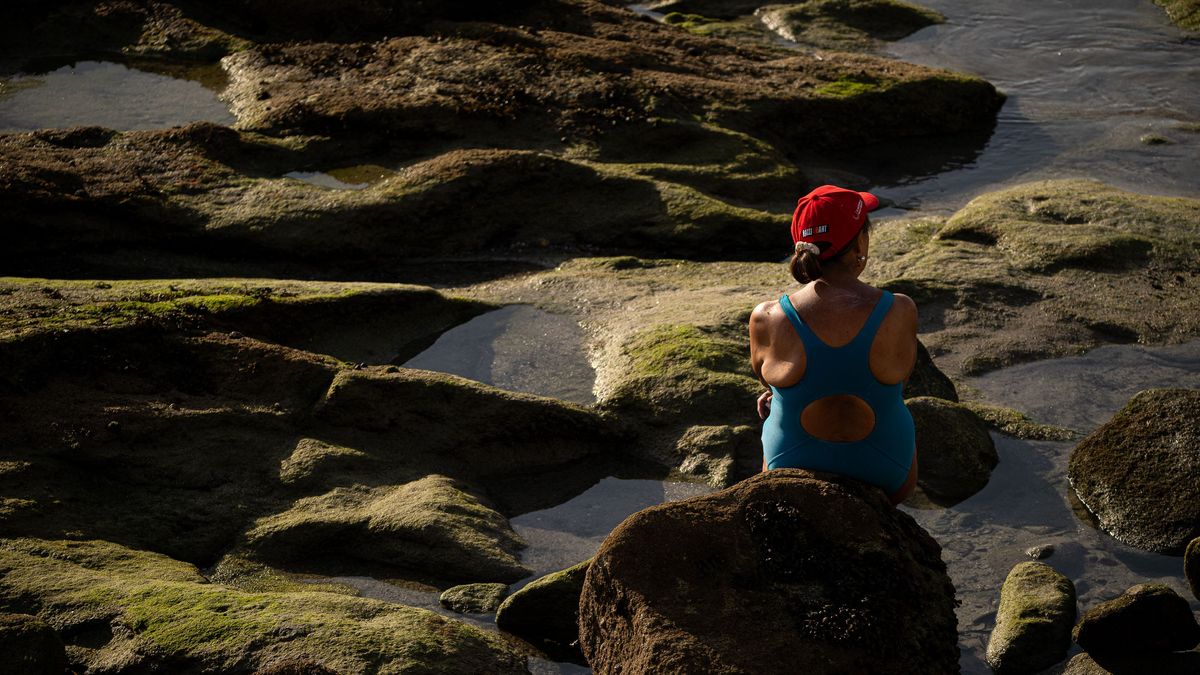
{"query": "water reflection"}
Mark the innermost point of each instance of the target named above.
(519, 348)
(111, 95)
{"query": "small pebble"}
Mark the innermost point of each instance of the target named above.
(391, 369)
(114, 426)
(235, 335)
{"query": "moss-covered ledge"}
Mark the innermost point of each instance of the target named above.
(120, 607)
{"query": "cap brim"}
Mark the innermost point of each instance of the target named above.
(869, 200)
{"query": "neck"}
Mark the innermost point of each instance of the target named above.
(840, 275)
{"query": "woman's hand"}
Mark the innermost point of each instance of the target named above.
(764, 405)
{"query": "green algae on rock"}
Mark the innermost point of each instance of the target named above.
(546, 612)
(1185, 13)
(479, 598)
(1159, 663)
(955, 453)
(124, 608)
(1145, 618)
(1046, 269)
(29, 646)
(431, 525)
(1018, 425)
(1139, 474)
(846, 24)
(1034, 620)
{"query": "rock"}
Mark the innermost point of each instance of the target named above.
(1184, 13)
(295, 667)
(1179, 663)
(1034, 620)
(1139, 473)
(148, 613)
(546, 613)
(1191, 566)
(1146, 618)
(845, 24)
(785, 572)
(722, 455)
(432, 526)
(30, 647)
(927, 380)
(473, 598)
(955, 453)
(1040, 552)
(1016, 424)
(1033, 269)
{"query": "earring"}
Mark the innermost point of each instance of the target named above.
(862, 258)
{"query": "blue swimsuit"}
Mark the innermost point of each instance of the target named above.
(885, 456)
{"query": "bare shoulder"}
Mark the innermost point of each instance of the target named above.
(904, 304)
(764, 314)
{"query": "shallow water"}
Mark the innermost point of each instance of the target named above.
(1086, 79)
(1028, 502)
(112, 95)
(571, 532)
(346, 178)
(518, 348)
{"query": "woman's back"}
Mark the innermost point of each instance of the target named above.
(835, 355)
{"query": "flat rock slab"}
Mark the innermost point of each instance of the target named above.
(1140, 473)
(785, 572)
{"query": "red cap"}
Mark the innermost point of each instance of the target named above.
(831, 217)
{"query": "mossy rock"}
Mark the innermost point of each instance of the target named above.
(432, 526)
(473, 598)
(1016, 424)
(1170, 663)
(1191, 566)
(148, 612)
(955, 453)
(1139, 474)
(721, 455)
(1043, 270)
(546, 612)
(1145, 618)
(29, 646)
(927, 380)
(1184, 13)
(1098, 228)
(682, 373)
(846, 24)
(1034, 620)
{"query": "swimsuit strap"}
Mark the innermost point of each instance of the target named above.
(871, 327)
(865, 334)
(807, 337)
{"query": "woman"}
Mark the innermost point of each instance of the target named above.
(835, 355)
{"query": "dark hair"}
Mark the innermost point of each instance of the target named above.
(805, 266)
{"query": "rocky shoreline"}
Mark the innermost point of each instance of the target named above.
(202, 398)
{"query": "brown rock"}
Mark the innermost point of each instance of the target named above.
(1146, 618)
(786, 572)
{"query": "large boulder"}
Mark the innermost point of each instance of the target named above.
(1033, 623)
(29, 646)
(788, 571)
(1145, 618)
(1191, 566)
(955, 453)
(546, 612)
(1139, 473)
